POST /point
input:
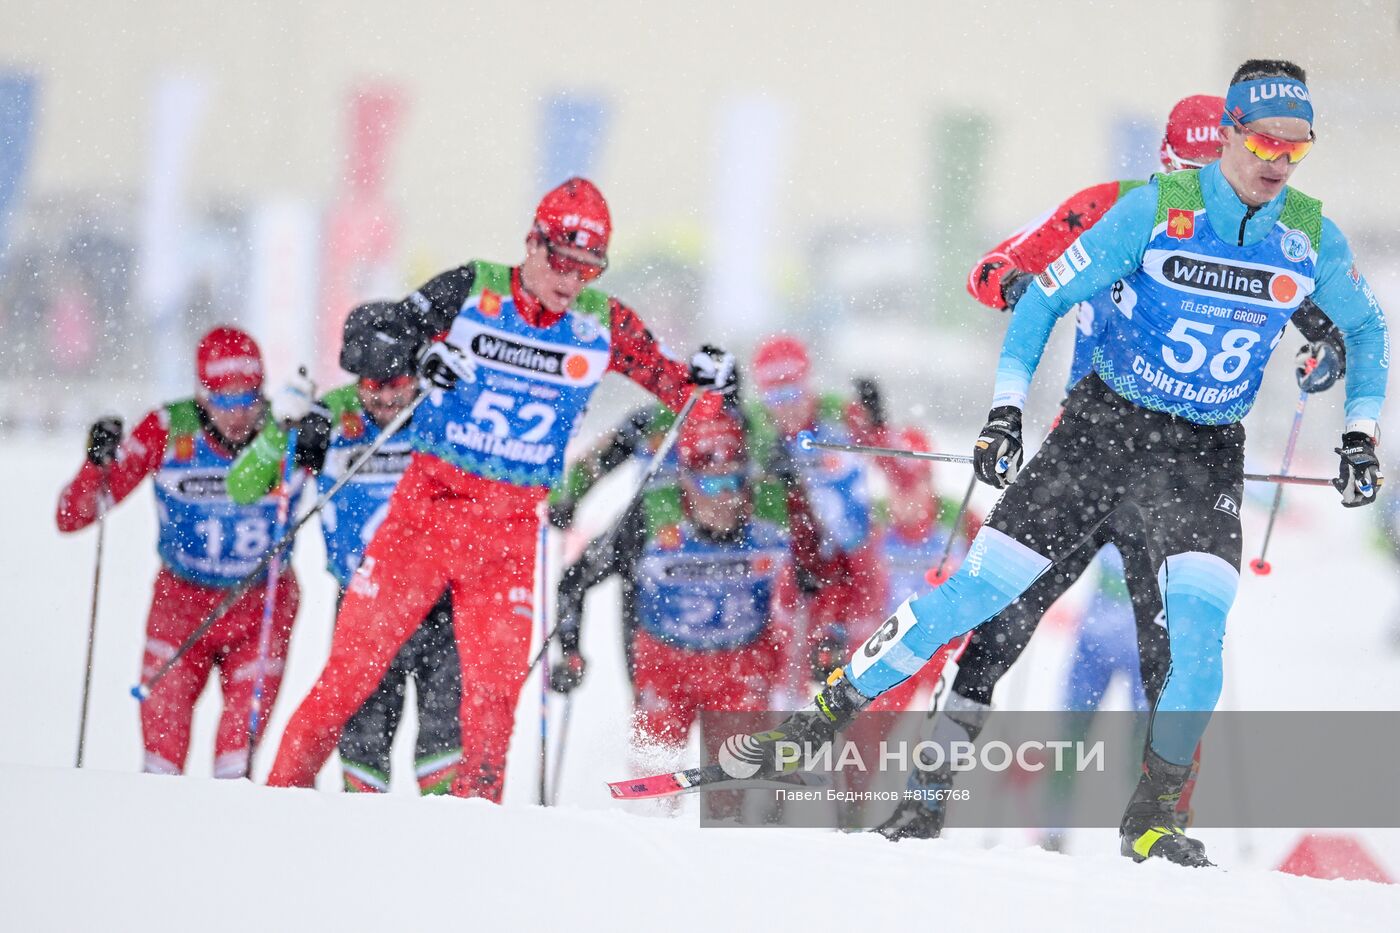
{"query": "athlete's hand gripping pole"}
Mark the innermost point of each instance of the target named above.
(142, 690)
(806, 442)
(1260, 565)
(604, 541)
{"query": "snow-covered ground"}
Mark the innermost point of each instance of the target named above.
(125, 852)
(111, 849)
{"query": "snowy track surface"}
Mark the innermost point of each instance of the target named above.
(102, 850)
(108, 849)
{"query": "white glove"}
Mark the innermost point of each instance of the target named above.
(443, 365)
(713, 369)
(292, 402)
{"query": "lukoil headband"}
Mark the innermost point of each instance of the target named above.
(1261, 98)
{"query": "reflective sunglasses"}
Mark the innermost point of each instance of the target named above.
(379, 385)
(1271, 148)
(710, 484)
(566, 261)
(783, 395)
(233, 401)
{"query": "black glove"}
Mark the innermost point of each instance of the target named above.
(1013, 286)
(870, 398)
(997, 455)
(443, 365)
(561, 513)
(1321, 363)
(713, 369)
(103, 438)
(782, 466)
(1359, 475)
(567, 672)
(827, 655)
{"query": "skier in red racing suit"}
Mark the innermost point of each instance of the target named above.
(518, 352)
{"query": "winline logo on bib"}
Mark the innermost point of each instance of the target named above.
(1223, 278)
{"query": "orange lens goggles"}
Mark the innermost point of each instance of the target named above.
(1271, 148)
(564, 263)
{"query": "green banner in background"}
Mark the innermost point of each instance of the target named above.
(959, 142)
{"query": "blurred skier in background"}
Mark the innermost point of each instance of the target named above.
(847, 591)
(514, 354)
(714, 569)
(207, 544)
(333, 433)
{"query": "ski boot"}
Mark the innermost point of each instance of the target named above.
(809, 729)
(921, 813)
(1149, 827)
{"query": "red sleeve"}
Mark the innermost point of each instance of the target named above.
(138, 456)
(806, 537)
(637, 355)
(1039, 242)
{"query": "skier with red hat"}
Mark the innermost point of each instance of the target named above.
(713, 567)
(207, 544)
(847, 590)
(513, 355)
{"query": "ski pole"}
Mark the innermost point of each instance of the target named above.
(605, 541)
(142, 690)
(1259, 565)
(806, 442)
(274, 576)
(560, 743)
(92, 617)
(940, 573)
(542, 618)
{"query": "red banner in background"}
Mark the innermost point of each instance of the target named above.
(362, 223)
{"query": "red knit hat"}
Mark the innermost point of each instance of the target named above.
(780, 361)
(228, 360)
(1192, 138)
(575, 214)
(716, 440)
(906, 472)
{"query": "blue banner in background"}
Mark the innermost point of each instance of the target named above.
(573, 133)
(1134, 143)
(19, 92)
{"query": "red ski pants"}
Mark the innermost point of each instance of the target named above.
(177, 609)
(674, 684)
(444, 528)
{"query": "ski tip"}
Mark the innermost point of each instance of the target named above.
(140, 693)
(1261, 567)
(660, 785)
(806, 439)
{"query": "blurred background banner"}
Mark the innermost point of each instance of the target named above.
(574, 129)
(767, 169)
(752, 173)
(362, 229)
(177, 108)
(18, 103)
